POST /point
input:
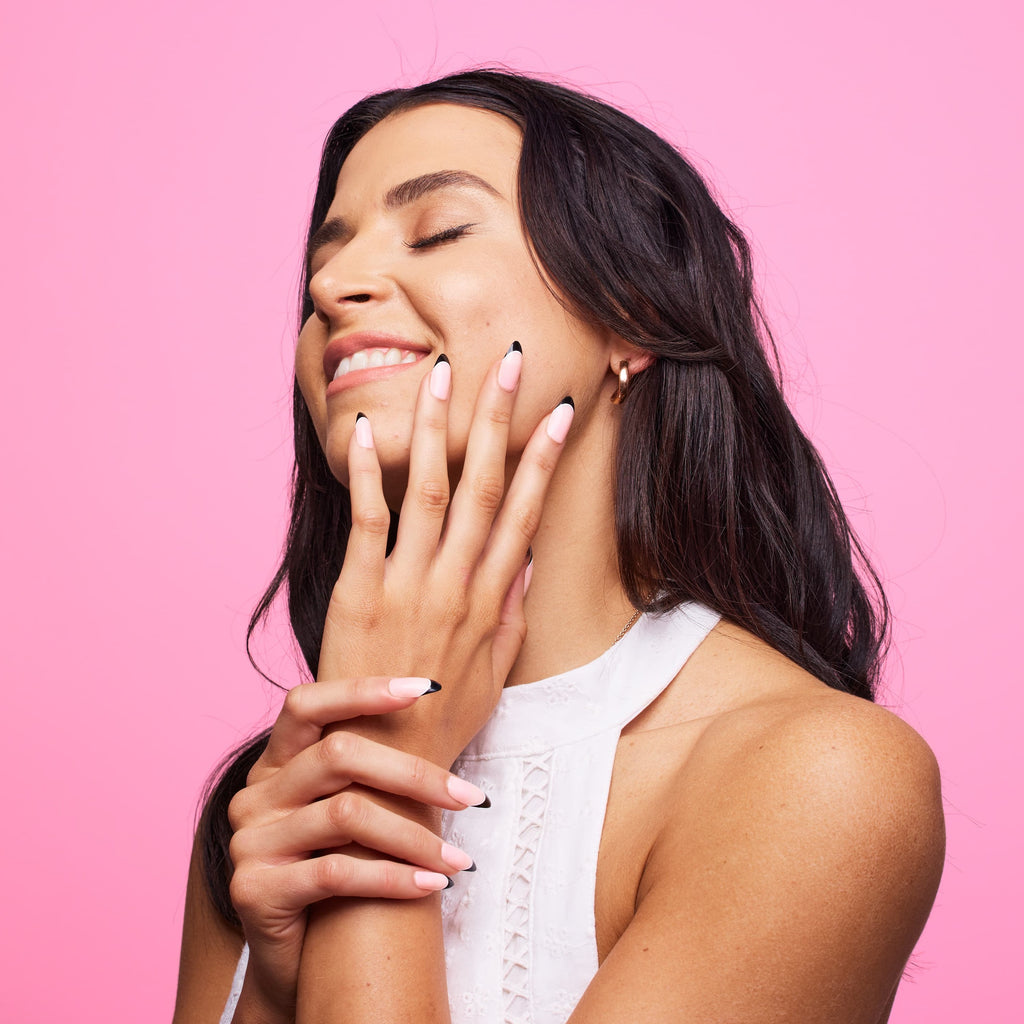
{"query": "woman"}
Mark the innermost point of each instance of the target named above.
(693, 813)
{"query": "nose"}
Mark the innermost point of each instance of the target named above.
(354, 275)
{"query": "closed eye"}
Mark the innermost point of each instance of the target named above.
(448, 235)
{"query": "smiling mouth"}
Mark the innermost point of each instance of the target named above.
(370, 358)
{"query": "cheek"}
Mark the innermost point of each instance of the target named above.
(309, 374)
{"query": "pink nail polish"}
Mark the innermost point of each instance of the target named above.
(455, 857)
(412, 686)
(511, 367)
(441, 378)
(466, 793)
(432, 881)
(561, 420)
(527, 577)
(364, 435)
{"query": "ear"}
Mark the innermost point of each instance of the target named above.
(637, 358)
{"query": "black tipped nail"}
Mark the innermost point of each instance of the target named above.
(442, 358)
(472, 867)
(514, 347)
(360, 416)
(451, 882)
(529, 555)
(568, 401)
(485, 803)
(432, 688)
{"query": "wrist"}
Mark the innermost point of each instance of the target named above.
(256, 1006)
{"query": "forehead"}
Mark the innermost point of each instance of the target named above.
(441, 136)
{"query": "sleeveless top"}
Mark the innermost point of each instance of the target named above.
(519, 933)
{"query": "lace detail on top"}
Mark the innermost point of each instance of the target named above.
(516, 960)
(520, 935)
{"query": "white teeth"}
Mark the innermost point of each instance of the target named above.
(370, 357)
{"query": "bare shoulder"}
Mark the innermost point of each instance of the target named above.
(779, 732)
(797, 848)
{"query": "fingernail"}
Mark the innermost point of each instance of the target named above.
(510, 368)
(441, 378)
(527, 577)
(529, 555)
(561, 420)
(466, 793)
(364, 435)
(456, 858)
(433, 881)
(412, 686)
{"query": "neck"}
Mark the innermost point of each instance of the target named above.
(576, 607)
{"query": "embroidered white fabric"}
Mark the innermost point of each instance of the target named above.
(520, 938)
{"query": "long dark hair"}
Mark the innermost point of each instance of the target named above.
(720, 497)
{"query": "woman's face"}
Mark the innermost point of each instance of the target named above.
(422, 252)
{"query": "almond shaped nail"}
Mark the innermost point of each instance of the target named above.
(466, 793)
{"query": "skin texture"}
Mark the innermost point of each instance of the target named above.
(771, 847)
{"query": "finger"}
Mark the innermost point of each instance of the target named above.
(482, 485)
(308, 707)
(350, 817)
(342, 758)
(289, 888)
(426, 497)
(511, 631)
(371, 518)
(520, 513)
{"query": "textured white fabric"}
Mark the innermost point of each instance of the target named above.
(520, 940)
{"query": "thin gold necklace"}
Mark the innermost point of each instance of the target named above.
(625, 629)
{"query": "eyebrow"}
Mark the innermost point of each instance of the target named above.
(336, 229)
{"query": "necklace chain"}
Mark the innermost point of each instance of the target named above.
(625, 629)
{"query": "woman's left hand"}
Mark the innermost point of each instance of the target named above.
(447, 602)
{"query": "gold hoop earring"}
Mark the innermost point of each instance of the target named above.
(619, 395)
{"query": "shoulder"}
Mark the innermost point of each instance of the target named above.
(774, 743)
(798, 845)
(776, 730)
(811, 794)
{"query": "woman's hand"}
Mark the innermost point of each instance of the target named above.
(447, 602)
(299, 799)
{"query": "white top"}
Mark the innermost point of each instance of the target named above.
(520, 938)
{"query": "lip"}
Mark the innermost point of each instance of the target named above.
(344, 346)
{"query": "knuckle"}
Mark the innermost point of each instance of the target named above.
(361, 612)
(336, 749)
(239, 809)
(238, 849)
(488, 490)
(346, 812)
(545, 461)
(374, 521)
(432, 497)
(526, 519)
(389, 875)
(332, 873)
(499, 415)
(245, 891)
(419, 772)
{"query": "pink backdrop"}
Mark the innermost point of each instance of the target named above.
(158, 166)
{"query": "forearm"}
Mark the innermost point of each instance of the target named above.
(370, 960)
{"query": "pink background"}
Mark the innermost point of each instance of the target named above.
(159, 162)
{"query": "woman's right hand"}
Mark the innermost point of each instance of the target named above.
(303, 796)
